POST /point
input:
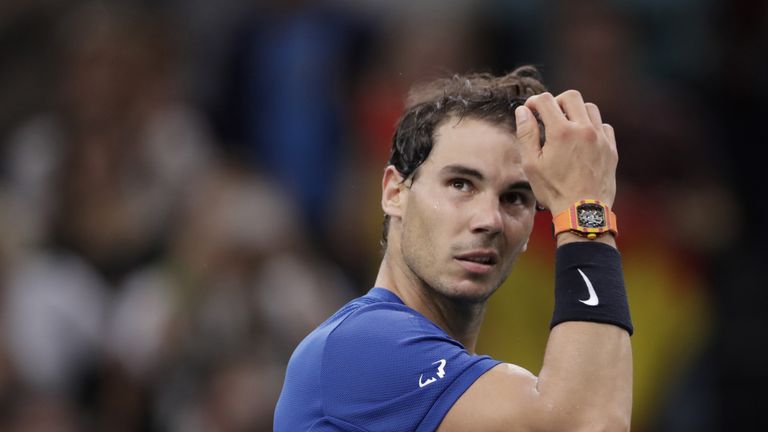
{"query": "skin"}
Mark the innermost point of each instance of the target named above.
(474, 195)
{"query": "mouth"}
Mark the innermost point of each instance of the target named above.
(478, 261)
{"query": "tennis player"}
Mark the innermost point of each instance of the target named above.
(472, 158)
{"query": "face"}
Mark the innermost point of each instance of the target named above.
(469, 211)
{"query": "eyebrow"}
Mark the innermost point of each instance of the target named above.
(463, 170)
(471, 172)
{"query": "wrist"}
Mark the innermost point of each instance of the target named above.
(566, 237)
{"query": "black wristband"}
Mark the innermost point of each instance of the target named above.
(589, 285)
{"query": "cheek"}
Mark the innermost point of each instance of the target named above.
(426, 230)
(519, 230)
(446, 223)
(432, 215)
(421, 223)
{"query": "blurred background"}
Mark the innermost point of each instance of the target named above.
(188, 187)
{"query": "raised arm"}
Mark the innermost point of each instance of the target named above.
(585, 383)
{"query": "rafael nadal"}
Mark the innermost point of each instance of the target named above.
(472, 158)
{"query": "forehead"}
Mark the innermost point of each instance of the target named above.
(479, 144)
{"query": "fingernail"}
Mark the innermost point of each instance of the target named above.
(521, 115)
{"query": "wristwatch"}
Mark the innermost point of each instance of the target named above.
(587, 218)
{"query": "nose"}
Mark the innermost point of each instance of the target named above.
(487, 218)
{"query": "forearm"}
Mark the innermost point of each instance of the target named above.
(587, 371)
(586, 378)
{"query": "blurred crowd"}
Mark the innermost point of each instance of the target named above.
(187, 188)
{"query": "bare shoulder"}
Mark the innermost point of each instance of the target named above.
(502, 397)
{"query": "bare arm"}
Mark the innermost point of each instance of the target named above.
(584, 386)
(586, 380)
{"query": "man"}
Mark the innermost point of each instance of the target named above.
(470, 161)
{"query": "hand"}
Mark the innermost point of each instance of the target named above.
(578, 159)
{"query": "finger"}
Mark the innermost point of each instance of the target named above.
(549, 111)
(572, 105)
(609, 131)
(594, 115)
(527, 132)
(610, 134)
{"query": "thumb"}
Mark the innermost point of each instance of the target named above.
(527, 130)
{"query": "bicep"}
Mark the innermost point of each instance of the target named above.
(504, 398)
(577, 389)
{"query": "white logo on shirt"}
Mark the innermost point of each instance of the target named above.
(440, 374)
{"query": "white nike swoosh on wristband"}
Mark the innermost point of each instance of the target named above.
(592, 300)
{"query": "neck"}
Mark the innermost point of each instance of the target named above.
(460, 319)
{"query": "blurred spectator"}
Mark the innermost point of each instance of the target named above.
(237, 293)
(102, 173)
(291, 69)
(53, 315)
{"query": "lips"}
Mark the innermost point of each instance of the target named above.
(481, 261)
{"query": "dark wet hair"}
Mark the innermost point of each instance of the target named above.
(479, 96)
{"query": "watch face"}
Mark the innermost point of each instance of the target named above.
(591, 216)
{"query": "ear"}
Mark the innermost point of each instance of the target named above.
(392, 192)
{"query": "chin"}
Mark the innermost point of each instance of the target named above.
(469, 291)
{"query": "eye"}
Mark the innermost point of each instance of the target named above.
(462, 185)
(516, 198)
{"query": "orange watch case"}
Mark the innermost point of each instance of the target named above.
(587, 218)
